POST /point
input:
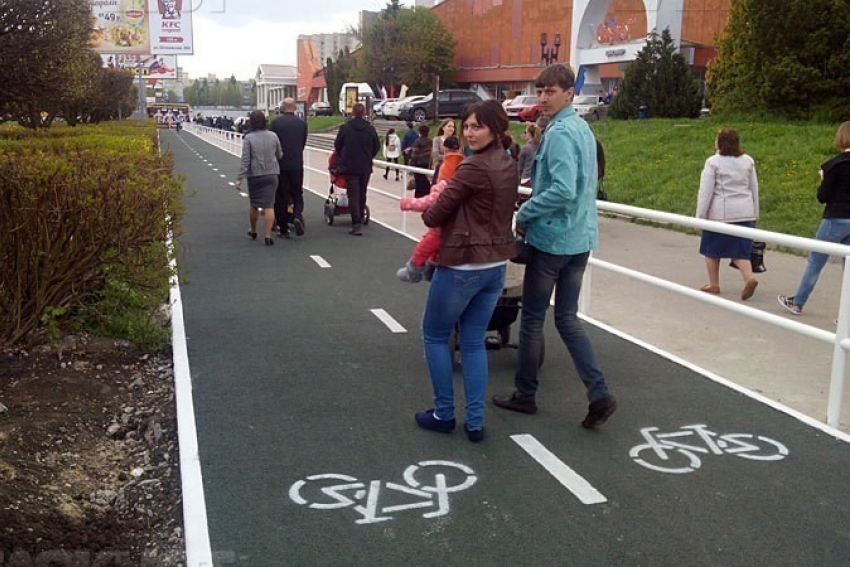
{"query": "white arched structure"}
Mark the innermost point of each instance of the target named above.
(588, 14)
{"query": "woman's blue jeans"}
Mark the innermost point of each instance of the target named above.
(543, 272)
(468, 298)
(830, 230)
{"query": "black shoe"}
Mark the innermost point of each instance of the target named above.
(599, 412)
(385, 176)
(252, 235)
(474, 435)
(514, 403)
(356, 230)
(426, 420)
(269, 242)
(284, 234)
(299, 227)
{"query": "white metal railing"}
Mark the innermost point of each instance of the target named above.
(840, 339)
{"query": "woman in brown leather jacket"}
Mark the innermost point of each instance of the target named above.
(474, 213)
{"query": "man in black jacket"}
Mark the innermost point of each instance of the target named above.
(289, 200)
(356, 145)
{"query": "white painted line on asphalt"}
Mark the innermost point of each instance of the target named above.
(215, 169)
(209, 164)
(231, 183)
(221, 174)
(387, 320)
(320, 261)
(573, 481)
(243, 194)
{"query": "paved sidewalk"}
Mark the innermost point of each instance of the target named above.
(779, 364)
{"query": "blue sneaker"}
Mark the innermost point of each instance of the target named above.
(474, 435)
(427, 420)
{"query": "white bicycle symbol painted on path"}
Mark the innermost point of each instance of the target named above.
(656, 453)
(334, 491)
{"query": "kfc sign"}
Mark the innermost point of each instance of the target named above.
(170, 27)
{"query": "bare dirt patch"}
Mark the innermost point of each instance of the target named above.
(89, 468)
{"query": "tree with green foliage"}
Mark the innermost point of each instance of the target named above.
(406, 45)
(660, 80)
(337, 73)
(790, 58)
(42, 52)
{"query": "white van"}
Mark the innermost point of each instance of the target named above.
(363, 91)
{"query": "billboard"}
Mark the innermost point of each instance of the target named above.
(170, 27)
(153, 66)
(120, 26)
(142, 27)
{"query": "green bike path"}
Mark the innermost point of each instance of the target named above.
(304, 401)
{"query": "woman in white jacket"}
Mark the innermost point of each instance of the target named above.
(392, 151)
(728, 192)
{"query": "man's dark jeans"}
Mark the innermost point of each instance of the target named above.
(543, 272)
(290, 191)
(356, 186)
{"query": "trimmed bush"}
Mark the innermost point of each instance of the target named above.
(83, 212)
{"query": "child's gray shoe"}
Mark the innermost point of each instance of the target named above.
(410, 273)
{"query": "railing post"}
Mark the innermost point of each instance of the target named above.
(839, 355)
(403, 189)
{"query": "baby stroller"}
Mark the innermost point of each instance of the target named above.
(337, 203)
(504, 315)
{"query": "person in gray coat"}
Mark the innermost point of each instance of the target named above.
(260, 154)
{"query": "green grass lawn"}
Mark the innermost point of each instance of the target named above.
(656, 164)
(321, 123)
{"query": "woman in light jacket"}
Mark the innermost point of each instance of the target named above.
(260, 152)
(729, 193)
(438, 152)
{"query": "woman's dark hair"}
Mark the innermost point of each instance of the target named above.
(423, 131)
(390, 132)
(490, 113)
(729, 143)
(257, 120)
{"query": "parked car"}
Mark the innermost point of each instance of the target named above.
(321, 109)
(530, 114)
(589, 107)
(452, 102)
(391, 109)
(378, 107)
(520, 103)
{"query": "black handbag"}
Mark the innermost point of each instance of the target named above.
(601, 195)
(756, 258)
(523, 251)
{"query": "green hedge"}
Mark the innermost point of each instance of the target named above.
(84, 216)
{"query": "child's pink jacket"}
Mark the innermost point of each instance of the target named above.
(429, 245)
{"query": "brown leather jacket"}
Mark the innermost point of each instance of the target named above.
(475, 209)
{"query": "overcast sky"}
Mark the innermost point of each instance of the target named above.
(233, 37)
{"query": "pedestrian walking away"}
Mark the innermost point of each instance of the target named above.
(421, 157)
(834, 193)
(728, 192)
(474, 214)
(560, 228)
(410, 137)
(259, 165)
(289, 197)
(357, 144)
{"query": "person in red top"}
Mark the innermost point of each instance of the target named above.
(421, 264)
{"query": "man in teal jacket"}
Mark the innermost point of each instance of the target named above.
(560, 226)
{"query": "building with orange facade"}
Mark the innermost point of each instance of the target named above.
(502, 44)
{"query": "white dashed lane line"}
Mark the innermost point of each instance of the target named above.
(320, 261)
(571, 480)
(387, 320)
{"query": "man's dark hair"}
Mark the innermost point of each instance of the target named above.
(729, 143)
(555, 75)
(257, 120)
(490, 113)
(423, 131)
(358, 110)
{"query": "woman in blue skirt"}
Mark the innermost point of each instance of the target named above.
(728, 192)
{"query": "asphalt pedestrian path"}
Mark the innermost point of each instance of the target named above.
(304, 403)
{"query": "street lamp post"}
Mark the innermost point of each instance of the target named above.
(549, 55)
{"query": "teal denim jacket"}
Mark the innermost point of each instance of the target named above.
(560, 216)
